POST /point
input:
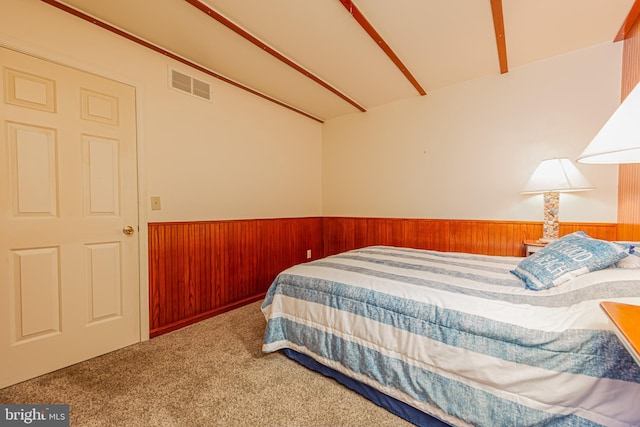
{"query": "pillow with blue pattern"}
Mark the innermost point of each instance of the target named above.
(631, 261)
(568, 257)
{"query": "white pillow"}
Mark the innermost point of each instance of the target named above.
(633, 260)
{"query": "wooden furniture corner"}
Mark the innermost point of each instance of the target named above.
(625, 319)
(532, 246)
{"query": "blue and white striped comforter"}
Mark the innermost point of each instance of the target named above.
(460, 337)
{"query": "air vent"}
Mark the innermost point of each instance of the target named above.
(190, 85)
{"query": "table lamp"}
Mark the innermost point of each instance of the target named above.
(551, 177)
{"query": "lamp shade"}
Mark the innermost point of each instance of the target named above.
(556, 175)
(619, 139)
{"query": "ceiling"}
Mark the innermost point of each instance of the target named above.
(327, 58)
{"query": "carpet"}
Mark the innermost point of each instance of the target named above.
(212, 373)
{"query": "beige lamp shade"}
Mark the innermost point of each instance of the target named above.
(556, 175)
(619, 139)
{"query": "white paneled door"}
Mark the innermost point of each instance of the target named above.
(69, 285)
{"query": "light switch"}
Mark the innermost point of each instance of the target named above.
(155, 203)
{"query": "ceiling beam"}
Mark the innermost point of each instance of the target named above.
(498, 26)
(268, 49)
(366, 25)
(172, 55)
(631, 19)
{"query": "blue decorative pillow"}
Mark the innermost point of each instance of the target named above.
(568, 257)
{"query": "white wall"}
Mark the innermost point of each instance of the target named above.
(466, 151)
(460, 152)
(237, 157)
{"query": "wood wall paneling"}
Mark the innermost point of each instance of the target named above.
(345, 233)
(629, 174)
(629, 232)
(604, 231)
(199, 269)
(629, 193)
(504, 238)
(630, 61)
(426, 234)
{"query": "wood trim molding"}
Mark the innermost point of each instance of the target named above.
(171, 55)
(366, 25)
(181, 323)
(271, 51)
(629, 22)
(498, 25)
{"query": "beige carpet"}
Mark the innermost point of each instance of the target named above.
(209, 374)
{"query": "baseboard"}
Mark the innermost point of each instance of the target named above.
(202, 316)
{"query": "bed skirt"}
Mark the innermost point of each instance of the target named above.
(392, 405)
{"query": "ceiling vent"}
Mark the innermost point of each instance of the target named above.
(191, 85)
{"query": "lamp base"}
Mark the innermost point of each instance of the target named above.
(550, 226)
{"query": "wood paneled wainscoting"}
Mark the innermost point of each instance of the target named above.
(200, 269)
(503, 238)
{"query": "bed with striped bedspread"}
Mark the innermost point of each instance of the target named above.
(460, 338)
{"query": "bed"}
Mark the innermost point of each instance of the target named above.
(456, 338)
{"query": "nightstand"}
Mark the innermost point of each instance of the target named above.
(625, 319)
(532, 246)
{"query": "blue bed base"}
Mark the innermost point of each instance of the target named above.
(392, 405)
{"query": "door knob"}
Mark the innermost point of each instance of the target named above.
(128, 230)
